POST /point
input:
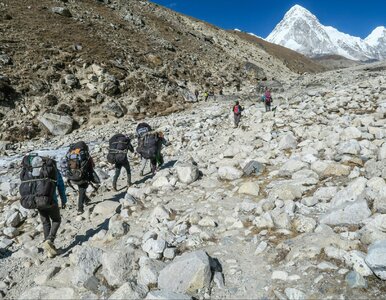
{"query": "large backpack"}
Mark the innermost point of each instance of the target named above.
(142, 129)
(38, 184)
(118, 146)
(78, 162)
(148, 145)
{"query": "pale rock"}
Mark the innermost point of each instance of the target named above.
(46, 292)
(325, 193)
(117, 226)
(187, 173)
(14, 220)
(382, 152)
(286, 192)
(349, 147)
(249, 188)
(207, 222)
(128, 201)
(63, 11)
(350, 133)
(326, 266)
(166, 295)
(379, 204)
(335, 253)
(287, 142)
(264, 221)
(282, 221)
(261, 247)
(160, 213)
(106, 208)
(161, 182)
(86, 260)
(376, 258)
(229, 173)
(374, 229)
(292, 166)
(193, 270)
(170, 253)
(355, 280)
(11, 232)
(56, 124)
(279, 275)
(294, 294)
(128, 291)
(356, 260)
(118, 265)
(376, 183)
(149, 271)
(46, 276)
(304, 224)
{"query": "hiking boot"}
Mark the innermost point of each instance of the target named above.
(80, 212)
(50, 249)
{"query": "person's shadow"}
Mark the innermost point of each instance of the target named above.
(80, 239)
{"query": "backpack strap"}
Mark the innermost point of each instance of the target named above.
(38, 179)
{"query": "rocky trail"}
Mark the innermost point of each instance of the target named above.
(290, 205)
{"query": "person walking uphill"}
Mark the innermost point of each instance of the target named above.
(237, 109)
(267, 100)
(40, 179)
(79, 170)
(119, 144)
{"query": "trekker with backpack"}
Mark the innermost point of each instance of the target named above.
(267, 100)
(119, 144)
(148, 147)
(79, 170)
(40, 179)
(237, 109)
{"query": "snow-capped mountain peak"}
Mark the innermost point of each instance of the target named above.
(376, 36)
(301, 31)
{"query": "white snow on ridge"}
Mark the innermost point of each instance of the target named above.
(301, 31)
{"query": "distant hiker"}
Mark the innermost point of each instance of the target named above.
(237, 109)
(149, 147)
(196, 93)
(40, 179)
(206, 95)
(119, 144)
(267, 100)
(79, 170)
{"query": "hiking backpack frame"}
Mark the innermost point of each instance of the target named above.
(78, 162)
(119, 144)
(148, 145)
(37, 192)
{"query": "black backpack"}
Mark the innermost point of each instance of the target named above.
(37, 192)
(148, 145)
(78, 162)
(119, 144)
(143, 128)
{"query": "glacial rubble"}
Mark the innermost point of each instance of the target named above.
(290, 205)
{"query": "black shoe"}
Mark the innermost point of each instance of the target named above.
(80, 212)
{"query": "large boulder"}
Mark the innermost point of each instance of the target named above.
(85, 260)
(187, 273)
(57, 124)
(166, 295)
(149, 271)
(376, 258)
(187, 173)
(117, 266)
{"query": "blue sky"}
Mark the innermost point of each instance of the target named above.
(355, 17)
